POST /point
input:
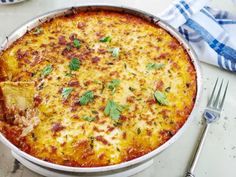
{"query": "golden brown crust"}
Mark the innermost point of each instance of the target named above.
(136, 61)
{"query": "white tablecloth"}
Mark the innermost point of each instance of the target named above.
(218, 158)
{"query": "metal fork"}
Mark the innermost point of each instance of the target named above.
(211, 114)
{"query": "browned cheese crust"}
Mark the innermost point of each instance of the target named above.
(107, 88)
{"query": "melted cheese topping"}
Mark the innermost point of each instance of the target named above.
(62, 135)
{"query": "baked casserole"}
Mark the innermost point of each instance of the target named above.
(94, 88)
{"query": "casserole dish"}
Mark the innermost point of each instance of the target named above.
(130, 13)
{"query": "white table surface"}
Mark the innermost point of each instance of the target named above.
(218, 158)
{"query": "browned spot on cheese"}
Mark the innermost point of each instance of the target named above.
(56, 127)
(101, 139)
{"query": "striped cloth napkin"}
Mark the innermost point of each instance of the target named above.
(211, 33)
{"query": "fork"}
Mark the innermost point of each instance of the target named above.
(211, 114)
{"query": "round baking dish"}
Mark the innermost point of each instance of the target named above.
(38, 20)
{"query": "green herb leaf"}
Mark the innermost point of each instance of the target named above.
(47, 70)
(96, 82)
(86, 98)
(105, 39)
(151, 66)
(103, 87)
(125, 65)
(68, 74)
(138, 131)
(131, 89)
(74, 64)
(113, 85)
(94, 112)
(113, 110)
(68, 47)
(115, 114)
(66, 92)
(77, 43)
(89, 118)
(168, 89)
(37, 30)
(115, 52)
(161, 98)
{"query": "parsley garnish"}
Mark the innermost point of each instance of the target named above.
(113, 85)
(68, 47)
(161, 98)
(66, 92)
(138, 131)
(113, 110)
(77, 43)
(74, 64)
(115, 52)
(94, 112)
(68, 74)
(131, 89)
(105, 39)
(151, 66)
(47, 70)
(86, 98)
(88, 118)
(37, 30)
(167, 89)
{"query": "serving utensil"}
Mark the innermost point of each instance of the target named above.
(211, 114)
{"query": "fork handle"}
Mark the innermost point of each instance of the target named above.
(198, 151)
(188, 174)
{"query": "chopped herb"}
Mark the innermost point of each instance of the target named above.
(77, 43)
(37, 30)
(113, 85)
(102, 89)
(125, 107)
(68, 74)
(167, 89)
(88, 118)
(161, 98)
(74, 64)
(105, 39)
(86, 98)
(96, 82)
(138, 131)
(47, 70)
(125, 65)
(117, 124)
(94, 112)
(68, 47)
(131, 89)
(113, 110)
(40, 86)
(110, 63)
(91, 138)
(66, 92)
(91, 141)
(115, 52)
(151, 66)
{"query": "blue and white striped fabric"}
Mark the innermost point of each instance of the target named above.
(210, 32)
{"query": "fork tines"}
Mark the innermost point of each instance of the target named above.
(215, 101)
